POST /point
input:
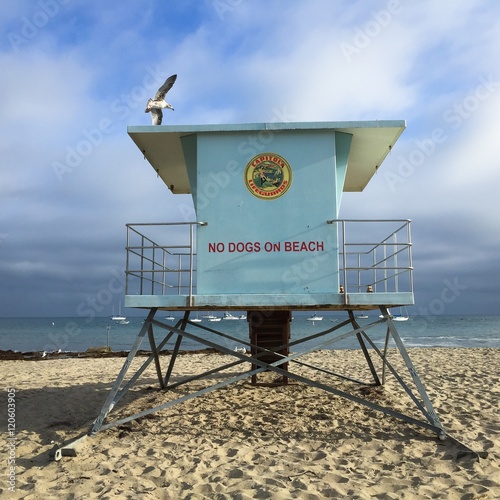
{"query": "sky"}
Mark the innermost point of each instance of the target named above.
(75, 74)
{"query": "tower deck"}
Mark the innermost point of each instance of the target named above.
(375, 269)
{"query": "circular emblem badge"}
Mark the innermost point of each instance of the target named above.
(268, 176)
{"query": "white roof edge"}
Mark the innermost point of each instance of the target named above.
(235, 127)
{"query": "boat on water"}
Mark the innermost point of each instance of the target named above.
(229, 316)
(315, 317)
(397, 317)
(401, 316)
(242, 316)
(214, 318)
(124, 322)
(118, 318)
(208, 316)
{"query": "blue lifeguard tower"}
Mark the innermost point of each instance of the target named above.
(267, 240)
(267, 235)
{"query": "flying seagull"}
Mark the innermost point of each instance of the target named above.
(156, 105)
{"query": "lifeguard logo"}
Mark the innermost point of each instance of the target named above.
(268, 176)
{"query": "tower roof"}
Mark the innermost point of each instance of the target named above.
(371, 143)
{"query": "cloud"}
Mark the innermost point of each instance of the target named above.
(71, 178)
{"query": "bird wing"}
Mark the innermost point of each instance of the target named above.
(156, 116)
(162, 91)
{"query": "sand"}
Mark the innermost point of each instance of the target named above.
(245, 442)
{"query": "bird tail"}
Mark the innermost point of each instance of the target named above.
(148, 106)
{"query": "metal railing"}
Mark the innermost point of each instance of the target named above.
(375, 255)
(161, 269)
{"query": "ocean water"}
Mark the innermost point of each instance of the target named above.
(78, 334)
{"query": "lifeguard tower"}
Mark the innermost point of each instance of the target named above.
(267, 240)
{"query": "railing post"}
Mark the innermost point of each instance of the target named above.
(179, 275)
(360, 274)
(127, 260)
(396, 252)
(191, 262)
(153, 267)
(344, 257)
(163, 274)
(410, 260)
(385, 267)
(142, 263)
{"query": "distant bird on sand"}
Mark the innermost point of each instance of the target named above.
(156, 105)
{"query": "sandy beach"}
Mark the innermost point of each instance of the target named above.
(244, 441)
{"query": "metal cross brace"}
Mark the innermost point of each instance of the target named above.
(275, 366)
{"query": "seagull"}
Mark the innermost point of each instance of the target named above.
(156, 105)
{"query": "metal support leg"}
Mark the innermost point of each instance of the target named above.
(401, 382)
(110, 401)
(173, 357)
(176, 349)
(141, 370)
(364, 349)
(433, 418)
(154, 352)
(386, 345)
